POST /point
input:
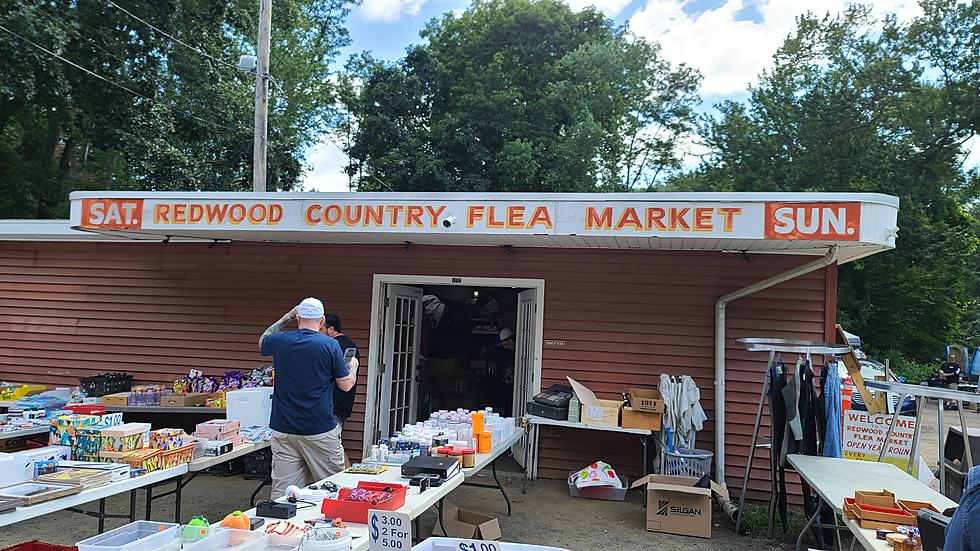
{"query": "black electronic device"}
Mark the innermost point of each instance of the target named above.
(349, 354)
(932, 529)
(444, 467)
(254, 523)
(551, 412)
(275, 509)
(424, 481)
(557, 396)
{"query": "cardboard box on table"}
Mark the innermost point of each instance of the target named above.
(126, 437)
(596, 411)
(676, 506)
(647, 399)
(633, 419)
(116, 400)
(19, 466)
(186, 399)
(461, 523)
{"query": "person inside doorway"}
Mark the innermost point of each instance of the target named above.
(503, 376)
(343, 400)
(306, 444)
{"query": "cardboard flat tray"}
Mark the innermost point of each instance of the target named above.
(884, 514)
(883, 498)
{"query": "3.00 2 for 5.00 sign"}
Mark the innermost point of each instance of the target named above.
(389, 531)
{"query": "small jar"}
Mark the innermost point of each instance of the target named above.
(469, 458)
(457, 455)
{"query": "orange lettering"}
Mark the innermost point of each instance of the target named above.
(161, 214)
(491, 221)
(413, 216)
(677, 219)
(374, 215)
(395, 210)
(216, 212)
(702, 219)
(434, 215)
(515, 217)
(594, 220)
(352, 220)
(180, 213)
(236, 213)
(311, 215)
(196, 214)
(655, 218)
(541, 216)
(275, 213)
(629, 218)
(331, 215)
(728, 216)
(473, 214)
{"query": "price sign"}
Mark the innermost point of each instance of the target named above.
(474, 545)
(389, 531)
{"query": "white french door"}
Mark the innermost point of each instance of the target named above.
(402, 335)
(524, 361)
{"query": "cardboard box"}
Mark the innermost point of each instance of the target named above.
(646, 399)
(595, 411)
(218, 426)
(118, 399)
(188, 399)
(461, 523)
(25, 460)
(646, 420)
(675, 506)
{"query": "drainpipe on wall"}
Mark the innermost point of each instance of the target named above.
(720, 306)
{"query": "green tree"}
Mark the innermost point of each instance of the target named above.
(518, 95)
(176, 115)
(854, 106)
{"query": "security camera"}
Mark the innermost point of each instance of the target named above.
(247, 63)
(449, 221)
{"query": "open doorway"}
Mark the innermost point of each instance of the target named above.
(442, 343)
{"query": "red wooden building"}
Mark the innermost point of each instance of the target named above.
(612, 290)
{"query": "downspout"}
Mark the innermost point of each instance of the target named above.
(720, 306)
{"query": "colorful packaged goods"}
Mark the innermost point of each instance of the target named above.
(64, 428)
(125, 437)
(145, 458)
(167, 439)
(147, 395)
(89, 440)
(176, 456)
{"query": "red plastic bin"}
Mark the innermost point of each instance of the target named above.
(357, 511)
(87, 409)
(35, 545)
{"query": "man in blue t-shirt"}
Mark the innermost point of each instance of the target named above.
(306, 444)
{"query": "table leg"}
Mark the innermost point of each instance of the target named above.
(102, 515)
(527, 455)
(417, 526)
(149, 501)
(837, 522)
(942, 448)
(177, 497)
(806, 528)
(493, 469)
(132, 506)
(966, 439)
(263, 484)
(644, 441)
(442, 520)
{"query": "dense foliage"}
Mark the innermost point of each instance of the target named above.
(184, 120)
(857, 105)
(519, 95)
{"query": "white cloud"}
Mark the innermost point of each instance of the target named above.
(972, 149)
(327, 174)
(389, 11)
(729, 52)
(611, 8)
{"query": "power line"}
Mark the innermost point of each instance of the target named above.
(335, 144)
(116, 84)
(172, 37)
(64, 25)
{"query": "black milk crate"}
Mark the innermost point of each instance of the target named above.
(107, 383)
(258, 465)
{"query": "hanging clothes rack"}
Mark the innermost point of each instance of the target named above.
(774, 347)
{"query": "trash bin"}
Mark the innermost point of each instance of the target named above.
(954, 460)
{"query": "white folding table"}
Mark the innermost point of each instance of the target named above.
(42, 429)
(835, 479)
(535, 421)
(416, 503)
(98, 493)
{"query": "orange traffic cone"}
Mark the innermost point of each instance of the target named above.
(846, 395)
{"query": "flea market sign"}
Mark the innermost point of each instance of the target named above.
(748, 220)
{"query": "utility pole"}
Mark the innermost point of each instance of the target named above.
(261, 146)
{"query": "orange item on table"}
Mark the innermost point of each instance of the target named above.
(477, 422)
(484, 442)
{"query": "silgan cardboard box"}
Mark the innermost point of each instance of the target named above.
(676, 506)
(461, 523)
(595, 411)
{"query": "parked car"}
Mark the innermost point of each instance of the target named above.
(869, 370)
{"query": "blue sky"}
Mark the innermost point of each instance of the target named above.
(729, 41)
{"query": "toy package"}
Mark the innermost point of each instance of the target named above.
(167, 439)
(125, 437)
(64, 428)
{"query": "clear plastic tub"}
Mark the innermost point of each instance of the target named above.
(142, 535)
(281, 543)
(229, 539)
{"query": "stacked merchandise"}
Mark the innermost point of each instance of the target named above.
(88, 443)
(65, 429)
(220, 431)
(174, 449)
(481, 431)
(120, 440)
(149, 395)
(15, 422)
(85, 478)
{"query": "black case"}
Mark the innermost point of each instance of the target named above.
(551, 412)
(442, 466)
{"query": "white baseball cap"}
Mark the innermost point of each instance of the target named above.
(310, 308)
(505, 334)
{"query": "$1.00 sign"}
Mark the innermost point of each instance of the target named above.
(474, 545)
(389, 531)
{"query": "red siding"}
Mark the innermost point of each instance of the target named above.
(154, 310)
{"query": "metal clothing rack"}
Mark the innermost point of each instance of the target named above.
(774, 346)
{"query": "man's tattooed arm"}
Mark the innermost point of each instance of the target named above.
(277, 326)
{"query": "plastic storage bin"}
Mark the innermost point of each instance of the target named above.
(229, 539)
(605, 493)
(142, 535)
(357, 511)
(685, 462)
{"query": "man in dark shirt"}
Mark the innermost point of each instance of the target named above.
(947, 373)
(343, 400)
(306, 445)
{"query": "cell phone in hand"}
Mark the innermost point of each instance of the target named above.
(349, 354)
